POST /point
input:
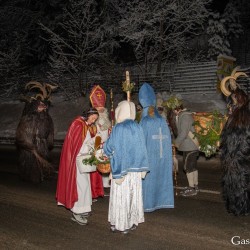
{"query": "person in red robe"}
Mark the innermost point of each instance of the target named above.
(73, 187)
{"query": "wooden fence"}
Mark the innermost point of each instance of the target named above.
(185, 78)
(182, 78)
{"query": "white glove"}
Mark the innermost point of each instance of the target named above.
(143, 174)
(119, 181)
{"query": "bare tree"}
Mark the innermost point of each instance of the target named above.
(11, 72)
(79, 44)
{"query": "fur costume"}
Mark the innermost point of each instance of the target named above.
(35, 135)
(235, 154)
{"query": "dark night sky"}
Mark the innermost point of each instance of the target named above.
(219, 5)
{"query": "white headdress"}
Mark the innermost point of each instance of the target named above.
(125, 110)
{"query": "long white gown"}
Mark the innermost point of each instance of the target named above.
(125, 204)
(83, 205)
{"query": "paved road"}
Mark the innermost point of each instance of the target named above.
(30, 218)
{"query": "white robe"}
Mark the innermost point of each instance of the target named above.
(125, 204)
(83, 205)
(104, 135)
(104, 122)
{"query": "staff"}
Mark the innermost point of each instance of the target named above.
(127, 86)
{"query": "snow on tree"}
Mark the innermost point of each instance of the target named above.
(79, 45)
(231, 15)
(108, 18)
(217, 37)
(159, 30)
(222, 28)
(12, 47)
(11, 71)
(19, 20)
(21, 46)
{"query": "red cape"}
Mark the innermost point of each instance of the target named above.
(66, 192)
(96, 184)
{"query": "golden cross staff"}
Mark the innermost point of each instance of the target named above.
(127, 86)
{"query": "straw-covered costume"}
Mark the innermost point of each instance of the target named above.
(235, 148)
(35, 134)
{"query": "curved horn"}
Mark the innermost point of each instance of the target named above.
(232, 81)
(224, 86)
(33, 85)
(238, 74)
(235, 70)
(50, 88)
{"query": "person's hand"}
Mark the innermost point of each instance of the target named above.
(174, 144)
(109, 131)
(120, 180)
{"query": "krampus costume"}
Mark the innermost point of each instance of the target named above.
(35, 134)
(235, 148)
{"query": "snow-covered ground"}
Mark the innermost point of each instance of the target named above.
(63, 112)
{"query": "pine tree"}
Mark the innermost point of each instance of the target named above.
(222, 28)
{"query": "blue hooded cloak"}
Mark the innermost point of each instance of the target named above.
(158, 185)
(126, 145)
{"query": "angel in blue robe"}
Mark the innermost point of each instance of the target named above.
(157, 187)
(129, 163)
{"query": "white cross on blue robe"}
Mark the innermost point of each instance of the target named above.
(160, 137)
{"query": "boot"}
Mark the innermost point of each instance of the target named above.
(190, 191)
(190, 178)
(196, 180)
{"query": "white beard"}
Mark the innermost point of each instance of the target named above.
(103, 121)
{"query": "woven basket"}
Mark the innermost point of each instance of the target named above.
(104, 168)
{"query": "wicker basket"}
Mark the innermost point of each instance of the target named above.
(104, 168)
